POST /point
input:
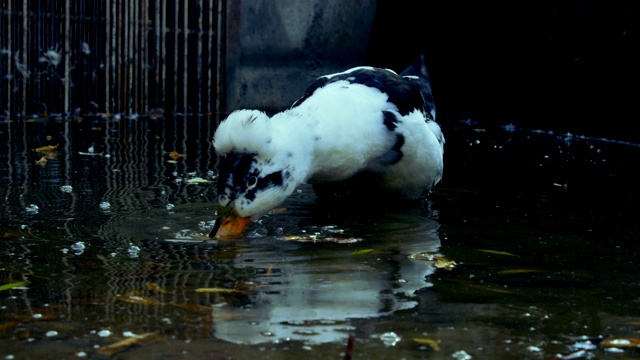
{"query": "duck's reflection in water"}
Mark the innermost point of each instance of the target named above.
(309, 291)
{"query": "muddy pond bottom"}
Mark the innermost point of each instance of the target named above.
(526, 250)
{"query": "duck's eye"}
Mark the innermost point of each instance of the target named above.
(251, 182)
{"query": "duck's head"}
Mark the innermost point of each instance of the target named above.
(254, 174)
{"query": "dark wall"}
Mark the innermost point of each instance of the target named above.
(553, 65)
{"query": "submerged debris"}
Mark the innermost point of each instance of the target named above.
(51, 57)
(136, 340)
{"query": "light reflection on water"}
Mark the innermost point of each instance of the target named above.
(543, 228)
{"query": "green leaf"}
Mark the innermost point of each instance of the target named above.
(12, 285)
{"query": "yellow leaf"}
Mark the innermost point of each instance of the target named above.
(219, 291)
(197, 180)
(444, 263)
(42, 161)
(155, 287)
(620, 343)
(175, 155)
(139, 340)
(12, 285)
(194, 307)
(519, 271)
(429, 342)
(361, 252)
(47, 148)
(496, 252)
(134, 299)
(8, 325)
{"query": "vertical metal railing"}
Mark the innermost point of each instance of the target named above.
(77, 57)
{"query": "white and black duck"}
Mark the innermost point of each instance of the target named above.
(362, 131)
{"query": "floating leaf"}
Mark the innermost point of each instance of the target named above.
(47, 148)
(519, 271)
(440, 262)
(136, 340)
(219, 291)
(153, 286)
(42, 161)
(12, 285)
(361, 252)
(620, 343)
(444, 263)
(194, 307)
(13, 233)
(197, 180)
(269, 270)
(134, 299)
(8, 325)
(423, 256)
(175, 155)
(497, 252)
(491, 289)
(429, 342)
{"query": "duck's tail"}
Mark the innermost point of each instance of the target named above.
(419, 75)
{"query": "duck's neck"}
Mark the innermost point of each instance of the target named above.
(293, 136)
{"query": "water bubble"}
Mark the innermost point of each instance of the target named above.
(78, 248)
(105, 205)
(128, 334)
(66, 188)
(64, 250)
(32, 209)
(390, 338)
(170, 206)
(37, 316)
(104, 333)
(81, 354)
(51, 333)
(461, 355)
(133, 251)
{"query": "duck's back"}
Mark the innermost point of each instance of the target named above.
(404, 144)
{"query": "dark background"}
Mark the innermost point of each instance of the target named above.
(567, 66)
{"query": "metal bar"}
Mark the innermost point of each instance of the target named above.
(10, 57)
(199, 79)
(185, 54)
(176, 11)
(25, 42)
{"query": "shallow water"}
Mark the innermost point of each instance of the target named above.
(107, 239)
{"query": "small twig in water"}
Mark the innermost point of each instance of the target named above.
(349, 352)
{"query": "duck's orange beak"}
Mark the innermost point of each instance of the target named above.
(229, 225)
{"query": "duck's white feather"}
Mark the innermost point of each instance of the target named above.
(339, 129)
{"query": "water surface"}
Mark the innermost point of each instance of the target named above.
(107, 240)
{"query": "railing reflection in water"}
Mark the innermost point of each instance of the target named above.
(124, 248)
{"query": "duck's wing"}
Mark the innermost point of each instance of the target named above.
(405, 92)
